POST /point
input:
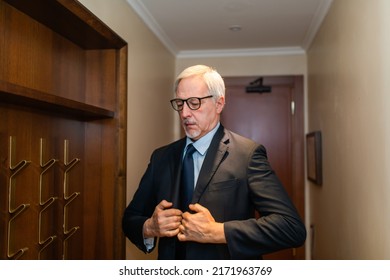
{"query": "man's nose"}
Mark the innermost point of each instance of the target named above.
(186, 110)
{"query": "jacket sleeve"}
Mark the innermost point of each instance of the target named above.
(279, 225)
(138, 211)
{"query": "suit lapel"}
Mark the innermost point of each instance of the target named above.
(215, 155)
(175, 162)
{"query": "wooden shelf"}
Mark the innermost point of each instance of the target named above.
(18, 95)
(69, 19)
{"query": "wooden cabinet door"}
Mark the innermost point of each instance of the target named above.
(62, 133)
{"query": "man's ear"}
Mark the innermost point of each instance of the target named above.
(220, 104)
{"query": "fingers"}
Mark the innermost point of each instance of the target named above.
(165, 220)
(197, 207)
(181, 236)
(184, 233)
(172, 229)
(164, 205)
(198, 225)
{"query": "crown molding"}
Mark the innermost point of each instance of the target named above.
(316, 22)
(150, 22)
(241, 52)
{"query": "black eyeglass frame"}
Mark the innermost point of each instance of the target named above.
(179, 108)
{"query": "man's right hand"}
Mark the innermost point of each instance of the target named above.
(164, 222)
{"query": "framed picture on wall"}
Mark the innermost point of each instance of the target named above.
(314, 157)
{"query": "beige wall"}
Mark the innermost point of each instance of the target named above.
(348, 100)
(151, 70)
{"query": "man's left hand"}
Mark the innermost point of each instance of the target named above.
(200, 226)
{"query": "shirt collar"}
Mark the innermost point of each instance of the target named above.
(203, 143)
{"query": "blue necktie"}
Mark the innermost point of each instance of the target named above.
(187, 188)
(187, 178)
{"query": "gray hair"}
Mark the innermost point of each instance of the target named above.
(211, 77)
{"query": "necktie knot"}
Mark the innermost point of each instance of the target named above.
(190, 150)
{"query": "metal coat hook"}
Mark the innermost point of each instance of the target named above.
(69, 234)
(45, 204)
(45, 167)
(45, 244)
(68, 198)
(14, 211)
(68, 166)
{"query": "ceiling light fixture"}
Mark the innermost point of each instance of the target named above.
(235, 28)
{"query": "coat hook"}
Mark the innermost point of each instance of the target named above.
(68, 198)
(45, 204)
(14, 211)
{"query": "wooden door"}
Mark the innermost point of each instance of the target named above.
(274, 119)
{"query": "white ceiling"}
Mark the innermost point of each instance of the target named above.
(190, 28)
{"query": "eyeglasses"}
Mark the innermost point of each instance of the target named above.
(193, 103)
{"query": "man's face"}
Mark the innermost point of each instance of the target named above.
(197, 123)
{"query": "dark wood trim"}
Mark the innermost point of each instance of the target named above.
(120, 190)
(19, 95)
(71, 20)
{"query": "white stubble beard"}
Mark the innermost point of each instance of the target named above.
(194, 133)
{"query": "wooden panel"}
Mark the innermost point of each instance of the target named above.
(62, 133)
(23, 142)
(62, 69)
(101, 72)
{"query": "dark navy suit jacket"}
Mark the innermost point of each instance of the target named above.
(235, 180)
